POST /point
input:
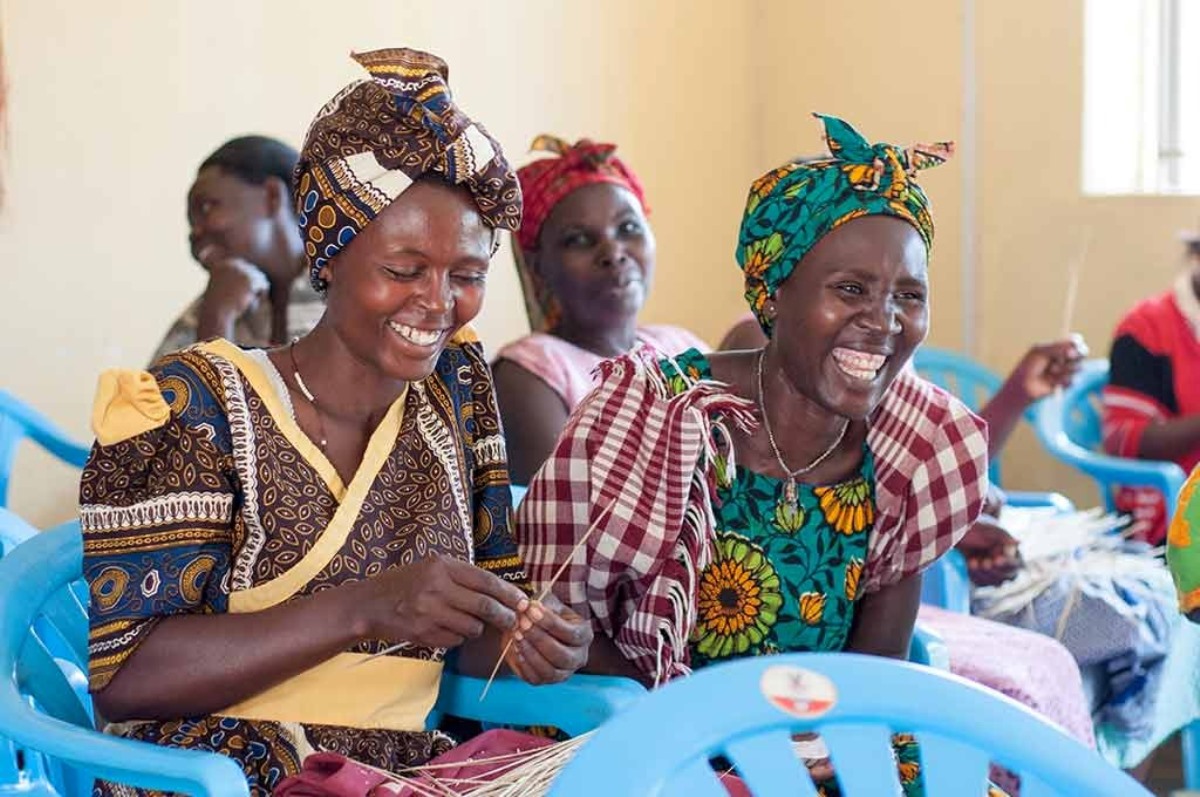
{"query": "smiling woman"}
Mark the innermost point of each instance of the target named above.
(250, 532)
(243, 233)
(782, 499)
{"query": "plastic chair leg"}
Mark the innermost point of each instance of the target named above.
(1189, 739)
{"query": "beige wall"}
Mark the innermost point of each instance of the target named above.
(1033, 218)
(899, 77)
(113, 105)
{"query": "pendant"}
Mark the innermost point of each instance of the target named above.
(791, 496)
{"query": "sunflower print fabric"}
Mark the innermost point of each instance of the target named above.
(782, 579)
(792, 207)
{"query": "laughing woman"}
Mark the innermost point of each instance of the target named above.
(786, 498)
(250, 532)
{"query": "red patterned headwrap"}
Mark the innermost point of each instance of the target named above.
(545, 182)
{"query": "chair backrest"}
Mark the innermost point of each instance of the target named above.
(955, 373)
(1070, 426)
(947, 584)
(1082, 407)
(971, 382)
(14, 530)
(747, 711)
(19, 421)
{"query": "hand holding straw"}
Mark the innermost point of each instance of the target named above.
(546, 589)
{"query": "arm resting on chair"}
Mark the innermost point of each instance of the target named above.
(884, 620)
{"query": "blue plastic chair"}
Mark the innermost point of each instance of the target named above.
(748, 710)
(14, 530)
(19, 421)
(974, 385)
(22, 771)
(36, 590)
(946, 584)
(1069, 426)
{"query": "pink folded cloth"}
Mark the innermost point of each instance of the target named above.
(334, 775)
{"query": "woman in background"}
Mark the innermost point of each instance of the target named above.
(1152, 400)
(586, 256)
(244, 235)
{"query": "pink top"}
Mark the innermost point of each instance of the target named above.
(567, 369)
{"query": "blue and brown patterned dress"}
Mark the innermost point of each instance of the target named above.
(224, 505)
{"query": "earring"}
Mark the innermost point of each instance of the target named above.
(771, 311)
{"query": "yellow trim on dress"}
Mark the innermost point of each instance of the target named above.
(261, 382)
(390, 692)
(128, 403)
(279, 589)
(465, 334)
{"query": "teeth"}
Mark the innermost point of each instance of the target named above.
(418, 337)
(859, 364)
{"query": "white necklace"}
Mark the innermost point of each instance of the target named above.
(323, 442)
(790, 495)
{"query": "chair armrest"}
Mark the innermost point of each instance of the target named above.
(1027, 500)
(929, 649)
(577, 705)
(126, 761)
(44, 431)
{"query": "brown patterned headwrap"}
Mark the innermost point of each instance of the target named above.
(377, 136)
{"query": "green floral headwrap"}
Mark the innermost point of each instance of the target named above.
(796, 205)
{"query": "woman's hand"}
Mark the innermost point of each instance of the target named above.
(991, 552)
(1049, 366)
(438, 602)
(550, 644)
(234, 287)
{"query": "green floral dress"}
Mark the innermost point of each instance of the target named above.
(786, 579)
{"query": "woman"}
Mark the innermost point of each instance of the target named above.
(786, 498)
(244, 234)
(1152, 400)
(253, 529)
(990, 552)
(586, 259)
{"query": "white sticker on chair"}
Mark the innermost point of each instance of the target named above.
(798, 692)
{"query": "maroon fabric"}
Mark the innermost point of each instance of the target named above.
(333, 775)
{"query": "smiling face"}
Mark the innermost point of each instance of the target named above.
(852, 313)
(596, 256)
(411, 279)
(232, 217)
